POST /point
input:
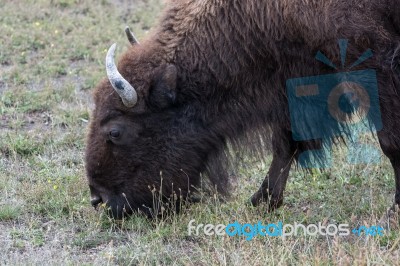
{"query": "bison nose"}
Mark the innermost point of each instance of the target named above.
(96, 200)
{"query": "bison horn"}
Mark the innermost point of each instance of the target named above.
(120, 85)
(131, 37)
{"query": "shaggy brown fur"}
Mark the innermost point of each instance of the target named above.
(214, 72)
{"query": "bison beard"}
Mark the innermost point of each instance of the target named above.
(213, 73)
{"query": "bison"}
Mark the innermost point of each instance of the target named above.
(212, 74)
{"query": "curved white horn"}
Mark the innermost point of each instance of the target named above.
(120, 85)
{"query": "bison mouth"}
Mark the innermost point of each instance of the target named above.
(120, 207)
(116, 206)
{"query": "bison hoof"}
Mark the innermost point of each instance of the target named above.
(272, 202)
(391, 218)
(394, 210)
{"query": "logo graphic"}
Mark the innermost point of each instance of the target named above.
(343, 104)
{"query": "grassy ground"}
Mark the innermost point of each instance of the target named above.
(51, 56)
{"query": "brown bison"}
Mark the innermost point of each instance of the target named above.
(214, 72)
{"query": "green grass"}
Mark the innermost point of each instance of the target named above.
(52, 55)
(8, 212)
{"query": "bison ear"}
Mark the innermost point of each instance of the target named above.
(163, 90)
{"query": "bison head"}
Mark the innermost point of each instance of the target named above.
(142, 139)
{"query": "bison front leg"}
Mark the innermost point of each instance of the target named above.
(273, 186)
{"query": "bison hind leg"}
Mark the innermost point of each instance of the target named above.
(396, 167)
(390, 145)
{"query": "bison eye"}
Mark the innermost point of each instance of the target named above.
(114, 133)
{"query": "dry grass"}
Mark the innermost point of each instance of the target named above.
(51, 56)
